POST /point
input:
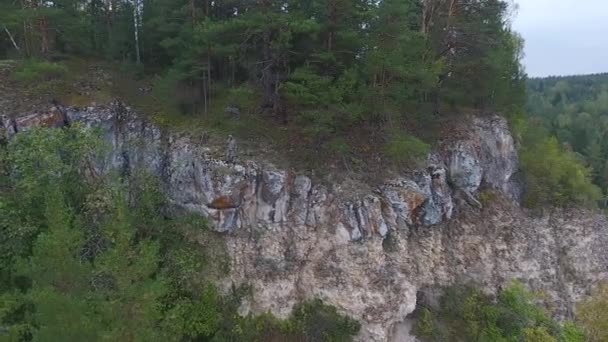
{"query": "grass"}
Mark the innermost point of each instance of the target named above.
(74, 82)
(404, 148)
(31, 71)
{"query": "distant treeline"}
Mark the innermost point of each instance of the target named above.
(575, 110)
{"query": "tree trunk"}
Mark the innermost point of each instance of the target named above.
(208, 94)
(425, 15)
(192, 6)
(45, 41)
(136, 29)
(10, 36)
(27, 29)
(267, 67)
(332, 23)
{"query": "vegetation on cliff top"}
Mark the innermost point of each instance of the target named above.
(355, 79)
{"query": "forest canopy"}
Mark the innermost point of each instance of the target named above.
(574, 109)
(329, 63)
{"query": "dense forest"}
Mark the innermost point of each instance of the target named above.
(329, 65)
(575, 110)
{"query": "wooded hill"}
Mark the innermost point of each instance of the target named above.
(331, 64)
(575, 110)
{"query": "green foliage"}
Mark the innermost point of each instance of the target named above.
(487, 196)
(592, 315)
(467, 314)
(339, 147)
(554, 176)
(315, 72)
(320, 322)
(321, 55)
(574, 333)
(425, 326)
(310, 321)
(573, 109)
(307, 88)
(538, 334)
(404, 148)
(39, 71)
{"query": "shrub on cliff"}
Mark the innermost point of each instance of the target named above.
(320, 322)
(37, 71)
(553, 175)
(467, 314)
(404, 148)
(310, 321)
(593, 315)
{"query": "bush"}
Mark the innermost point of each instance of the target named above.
(245, 98)
(467, 314)
(311, 321)
(404, 148)
(36, 71)
(487, 196)
(593, 315)
(554, 176)
(318, 124)
(319, 322)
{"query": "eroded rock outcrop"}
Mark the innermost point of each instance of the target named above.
(371, 254)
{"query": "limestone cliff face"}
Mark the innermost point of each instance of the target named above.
(370, 255)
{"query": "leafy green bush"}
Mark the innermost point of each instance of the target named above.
(593, 315)
(307, 88)
(244, 97)
(404, 148)
(554, 176)
(467, 314)
(320, 322)
(311, 321)
(325, 105)
(36, 71)
(487, 196)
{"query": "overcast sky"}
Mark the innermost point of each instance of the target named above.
(563, 37)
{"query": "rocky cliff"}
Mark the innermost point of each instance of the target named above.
(372, 255)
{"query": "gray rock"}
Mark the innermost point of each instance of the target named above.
(233, 111)
(299, 205)
(465, 167)
(231, 150)
(487, 156)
